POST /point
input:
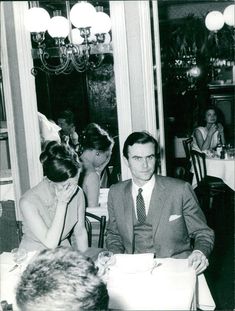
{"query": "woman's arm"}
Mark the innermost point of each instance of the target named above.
(80, 232)
(205, 144)
(91, 188)
(47, 235)
(221, 133)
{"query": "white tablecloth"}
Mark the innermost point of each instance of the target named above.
(224, 169)
(171, 286)
(9, 279)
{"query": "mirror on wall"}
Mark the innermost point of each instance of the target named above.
(89, 94)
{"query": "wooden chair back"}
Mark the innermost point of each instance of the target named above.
(187, 144)
(102, 226)
(199, 165)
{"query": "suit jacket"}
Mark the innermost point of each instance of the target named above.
(178, 219)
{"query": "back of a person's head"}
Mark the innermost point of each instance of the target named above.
(94, 137)
(61, 280)
(142, 137)
(67, 115)
(59, 162)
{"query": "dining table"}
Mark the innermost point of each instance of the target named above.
(221, 168)
(134, 282)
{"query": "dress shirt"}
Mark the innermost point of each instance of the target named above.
(146, 193)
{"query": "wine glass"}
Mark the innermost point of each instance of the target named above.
(106, 258)
(19, 255)
(104, 261)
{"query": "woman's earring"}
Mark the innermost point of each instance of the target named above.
(97, 153)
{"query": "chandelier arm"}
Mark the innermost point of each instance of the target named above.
(78, 59)
(56, 69)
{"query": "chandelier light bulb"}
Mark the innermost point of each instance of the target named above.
(101, 23)
(82, 14)
(214, 20)
(58, 27)
(229, 15)
(37, 19)
(76, 38)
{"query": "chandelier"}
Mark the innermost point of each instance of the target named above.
(81, 38)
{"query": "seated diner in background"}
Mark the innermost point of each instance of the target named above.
(211, 134)
(156, 214)
(68, 132)
(61, 279)
(55, 207)
(49, 131)
(96, 149)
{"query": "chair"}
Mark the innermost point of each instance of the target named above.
(187, 144)
(102, 225)
(207, 186)
(183, 172)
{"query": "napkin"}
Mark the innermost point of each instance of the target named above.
(204, 298)
(134, 263)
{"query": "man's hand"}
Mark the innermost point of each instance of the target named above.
(198, 261)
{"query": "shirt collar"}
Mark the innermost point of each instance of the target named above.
(149, 184)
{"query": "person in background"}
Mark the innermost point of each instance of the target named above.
(208, 136)
(68, 132)
(155, 214)
(49, 131)
(55, 207)
(61, 280)
(96, 149)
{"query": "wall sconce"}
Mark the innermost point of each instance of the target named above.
(215, 20)
(81, 47)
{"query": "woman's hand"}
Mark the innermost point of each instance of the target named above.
(66, 193)
(212, 129)
(220, 128)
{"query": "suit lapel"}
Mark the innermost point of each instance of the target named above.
(128, 210)
(157, 202)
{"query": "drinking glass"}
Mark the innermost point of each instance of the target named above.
(19, 256)
(104, 261)
(106, 258)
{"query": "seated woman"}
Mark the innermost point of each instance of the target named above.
(68, 132)
(208, 136)
(96, 146)
(55, 206)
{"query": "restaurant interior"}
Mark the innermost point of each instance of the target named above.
(157, 69)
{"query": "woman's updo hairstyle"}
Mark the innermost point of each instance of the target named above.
(59, 162)
(94, 137)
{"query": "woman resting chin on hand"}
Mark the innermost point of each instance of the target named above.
(55, 207)
(207, 137)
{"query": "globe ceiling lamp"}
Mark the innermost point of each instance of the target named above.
(229, 15)
(214, 21)
(81, 38)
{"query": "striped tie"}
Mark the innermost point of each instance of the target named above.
(141, 214)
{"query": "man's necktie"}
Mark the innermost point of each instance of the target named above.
(141, 214)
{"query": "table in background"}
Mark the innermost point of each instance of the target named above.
(221, 168)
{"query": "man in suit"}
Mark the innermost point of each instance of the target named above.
(163, 217)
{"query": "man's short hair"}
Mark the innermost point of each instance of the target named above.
(61, 279)
(139, 138)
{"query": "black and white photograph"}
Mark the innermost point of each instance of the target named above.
(117, 155)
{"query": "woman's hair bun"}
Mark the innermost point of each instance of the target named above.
(55, 150)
